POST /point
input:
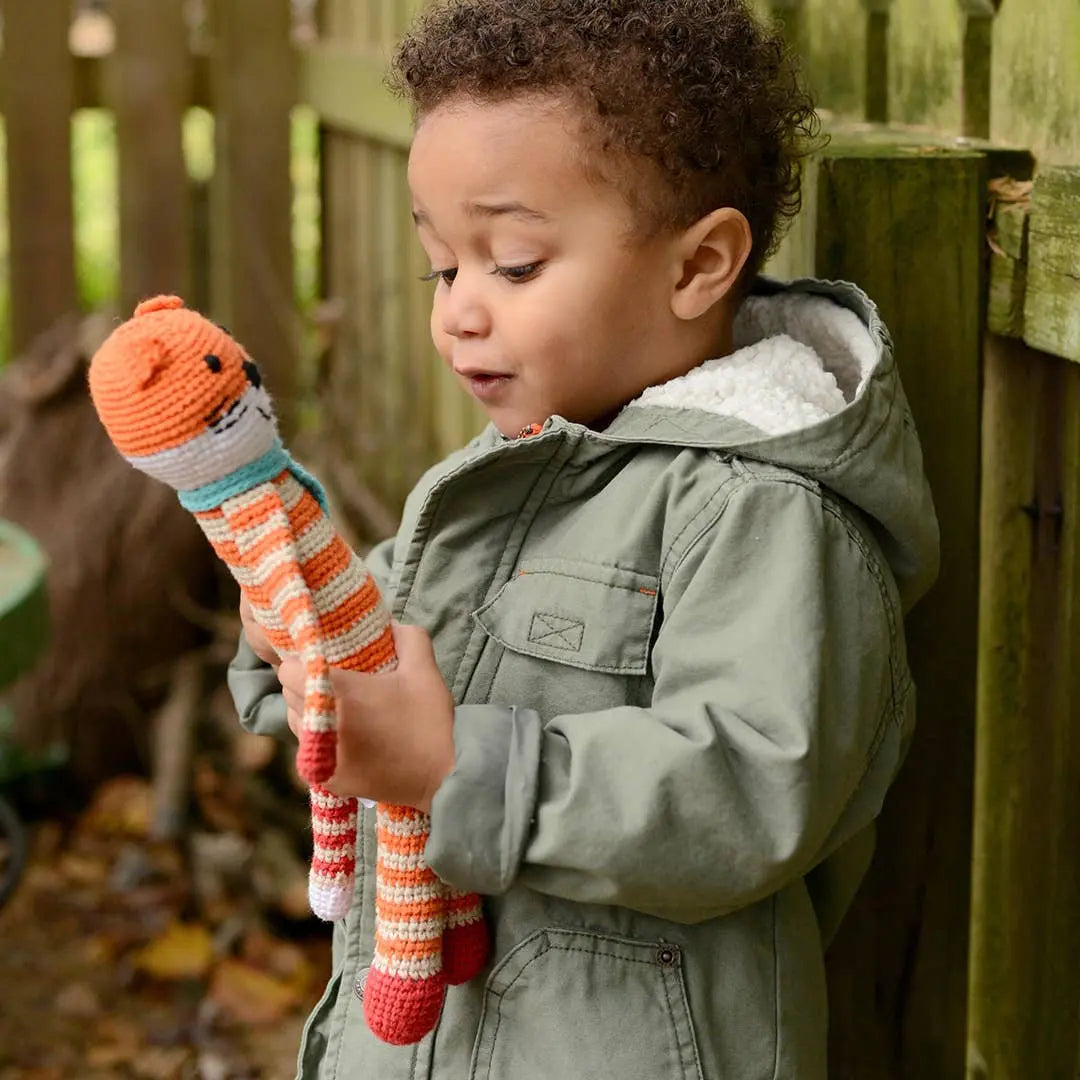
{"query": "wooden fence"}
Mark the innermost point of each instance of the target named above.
(962, 954)
(149, 79)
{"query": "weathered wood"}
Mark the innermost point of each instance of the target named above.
(977, 62)
(1025, 948)
(791, 16)
(877, 60)
(36, 97)
(149, 91)
(254, 88)
(344, 84)
(91, 78)
(1052, 305)
(1008, 271)
(897, 969)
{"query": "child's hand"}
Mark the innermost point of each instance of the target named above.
(256, 637)
(395, 729)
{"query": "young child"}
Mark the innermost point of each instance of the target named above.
(653, 684)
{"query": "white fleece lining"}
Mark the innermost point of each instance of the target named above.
(798, 360)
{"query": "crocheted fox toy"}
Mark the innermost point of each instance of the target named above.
(183, 402)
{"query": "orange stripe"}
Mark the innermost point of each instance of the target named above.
(415, 950)
(253, 513)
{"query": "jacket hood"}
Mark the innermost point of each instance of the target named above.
(812, 386)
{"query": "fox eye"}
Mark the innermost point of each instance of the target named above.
(213, 363)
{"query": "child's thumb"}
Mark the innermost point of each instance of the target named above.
(411, 643)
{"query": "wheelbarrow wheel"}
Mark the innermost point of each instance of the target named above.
(12, 850)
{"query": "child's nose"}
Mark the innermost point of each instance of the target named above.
(463, 311)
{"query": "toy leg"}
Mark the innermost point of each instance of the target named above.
(465, 940)
(406, 984)
(333, 865)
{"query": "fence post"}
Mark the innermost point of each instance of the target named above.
(876, 107)
(37, 95)
(791, 15)
(150, 87)
(908, 224)
(1025, 948)
(978, 47)
(253, 83)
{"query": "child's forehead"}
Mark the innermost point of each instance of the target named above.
(537, 142)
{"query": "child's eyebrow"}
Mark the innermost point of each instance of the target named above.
(490, 210)
(504, 209)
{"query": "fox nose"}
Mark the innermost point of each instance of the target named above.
(252, 373)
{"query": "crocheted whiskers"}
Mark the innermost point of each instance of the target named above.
(183, 402)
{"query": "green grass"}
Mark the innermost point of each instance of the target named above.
(95, 204)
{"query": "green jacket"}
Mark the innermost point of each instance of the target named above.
(677, 650)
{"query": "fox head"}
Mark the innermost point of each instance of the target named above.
(179, 397)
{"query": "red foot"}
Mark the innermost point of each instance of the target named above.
(402, 1011)
(317, 757)
(465, 951)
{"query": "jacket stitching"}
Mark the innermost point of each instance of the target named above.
(728, 486)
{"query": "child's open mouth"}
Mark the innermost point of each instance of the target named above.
(485, 385)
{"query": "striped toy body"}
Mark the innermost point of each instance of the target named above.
(184, 403)
(312, 596)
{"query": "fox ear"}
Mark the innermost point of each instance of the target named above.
(147, 361)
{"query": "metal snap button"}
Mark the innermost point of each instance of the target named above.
(667, 955)
(361, 982)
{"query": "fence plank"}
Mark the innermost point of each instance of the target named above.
(876, 107)
(977, 58)
(1025, 951)
(150, 87)
(343, 83)
(1052, 303)
(253, 79)
(897, 970)
(36, 99)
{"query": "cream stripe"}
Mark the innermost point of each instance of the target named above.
(407, 828)
(407, 967)
(410, 929)
(412, 894)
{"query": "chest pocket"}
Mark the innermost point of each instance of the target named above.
(582, 614)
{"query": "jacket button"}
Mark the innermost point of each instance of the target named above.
(361, 982)
(667, 955)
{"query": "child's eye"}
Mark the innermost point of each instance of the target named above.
(446, 275)
(519, 273)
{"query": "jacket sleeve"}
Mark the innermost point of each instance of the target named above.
(253, 684)
(774, 728)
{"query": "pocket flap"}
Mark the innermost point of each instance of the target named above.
(574, 612)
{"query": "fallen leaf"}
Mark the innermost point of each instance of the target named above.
(78, 1001)
(184, 951)
(123, 806)
(160, 1062)
(83, 870)
(282, 959)
(249, 995)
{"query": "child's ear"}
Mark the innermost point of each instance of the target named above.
(712, 253)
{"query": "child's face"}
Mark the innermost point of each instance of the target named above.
(543, 304)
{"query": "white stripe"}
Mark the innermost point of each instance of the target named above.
(454, 919)
(404, 967)
(406, 930)
(412, 894)
(409, 827)
(402, 863)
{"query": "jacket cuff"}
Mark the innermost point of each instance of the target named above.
(483, 812)
(256, 693)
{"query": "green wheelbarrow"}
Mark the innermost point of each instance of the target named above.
(24, 631)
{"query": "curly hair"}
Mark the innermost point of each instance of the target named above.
(698, 88)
